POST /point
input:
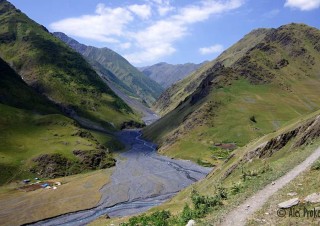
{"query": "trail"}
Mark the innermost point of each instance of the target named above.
(239, 215)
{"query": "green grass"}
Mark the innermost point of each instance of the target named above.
(250, 86)
(25, 135)
(188, 85)
(272, 107)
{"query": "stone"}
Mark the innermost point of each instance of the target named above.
(289, 203)
(313, 198)
(191, 223)
(292, 194)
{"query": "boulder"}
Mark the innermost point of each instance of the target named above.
(313, 198)
(288, 203)
(191, 223)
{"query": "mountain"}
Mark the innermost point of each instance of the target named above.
(37, 140)
(16, 93)
(168, 74)
(175, 94)
(56, 71)
(117, 70)
(240, 98)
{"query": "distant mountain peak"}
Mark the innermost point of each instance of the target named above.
(167, 74)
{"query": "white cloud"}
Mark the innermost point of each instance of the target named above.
(164, 10)
(211, 49)
(103, 26)
(143, 11)
(303, 5)
(157, 40)
(155, 36)
(197, 13)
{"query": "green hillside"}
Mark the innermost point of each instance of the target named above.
(16, 93)
(274, 82)
(177, 93)
(110, 64)
(55, 70)
(32, 128)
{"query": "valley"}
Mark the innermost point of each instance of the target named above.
(141, 180)
(89, 136)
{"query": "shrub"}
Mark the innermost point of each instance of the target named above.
(159, 218)
(316, 165)
(253, 119)
(236, 188)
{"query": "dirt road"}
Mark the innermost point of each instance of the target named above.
(239, 215)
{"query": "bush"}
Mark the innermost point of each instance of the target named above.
(253, 119)
(316, 165)
(159, 218)
(236, 188)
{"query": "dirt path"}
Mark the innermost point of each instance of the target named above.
(239, 215)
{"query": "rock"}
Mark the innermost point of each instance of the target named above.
(292, 194)
(299, 184)
(191, 223)
(288, 203)
(273, 183)
(313, 198)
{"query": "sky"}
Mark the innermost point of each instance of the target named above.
(146, 32)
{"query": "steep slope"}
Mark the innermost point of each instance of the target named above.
(168, 74)
(273, 82)
(117, 70)
(36, 140)
(177, 93)
(16, 93)
(55, 70)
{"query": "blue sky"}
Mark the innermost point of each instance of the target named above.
(174, 31)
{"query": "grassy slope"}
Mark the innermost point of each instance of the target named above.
(277, 165)
(224, 114)
(16, 93)
(31, 125)
(55, 70)
(177, 93)
(25, 135)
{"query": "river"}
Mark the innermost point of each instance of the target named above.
(142, 179)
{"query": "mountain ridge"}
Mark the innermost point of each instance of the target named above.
(274, 81)
(177, 93)
(167, 74)
(125, 76)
